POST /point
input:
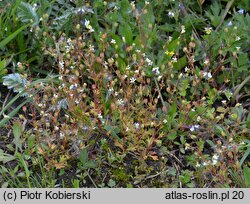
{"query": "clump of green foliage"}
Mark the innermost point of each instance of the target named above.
(125, 94)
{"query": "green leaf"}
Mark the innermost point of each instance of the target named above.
(172, 136)
(215, 13)
(111, 183)
(126, 32)
(16, 82)
(2, 64)
(27, 14)
(12, 113)
(171, 47)
(210, 142)
(243, 59)
(182, 62)
(172, 110)
(6, 157)
(247, 153)
(248, 120)
(83, 156)
(90, 164)
(3, 70)
(246, 173)
(12, 36)
(125, 9)
(17, 130)
(167, 27)
(85, 162)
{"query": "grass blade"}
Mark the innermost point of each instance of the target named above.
(12, 36)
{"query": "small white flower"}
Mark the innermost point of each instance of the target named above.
(86, 23)
(198, 118)
(170, 38)
(237, 48)
(55, 96)
(69, 41)
(56, 128)
(128, 67)
(156, 71)
(174, 59)
(187, 146)
(19, 64)
(150, 63)
(165, 121)
(132, 4)
(230, 23)
(197, 164)
(127, 129)
(111, 89)
(132, 80)
(183, 30)
(100, 116)
(208, 30)
(206, 62)
(61, 64)
(73, 86)
(238, 104)
(159, 77)
(180, 76)
(204, 163)
(62, 135)
(137, 125)
(138, 51)
(67, 48)
(187, 69)
(91, 48)
(171, 14)
(77, 101)
(215, 159)
(88, 26)
(207, 75)
(113, 41)
(237, 38)
(116, 93)
(194, 127)
(241, 11)
(224, 101)
(120, 102)
(146, 2)
(185, 49)
(35, 5)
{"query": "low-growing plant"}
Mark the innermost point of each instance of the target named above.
(142, 95)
